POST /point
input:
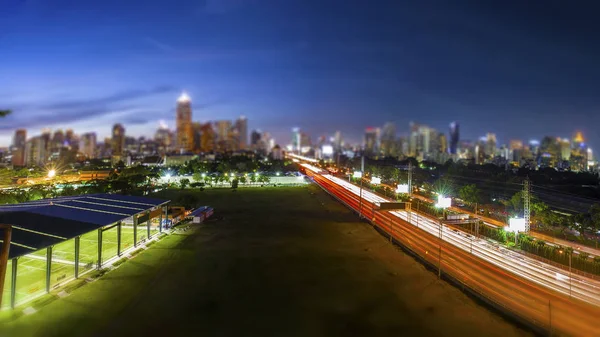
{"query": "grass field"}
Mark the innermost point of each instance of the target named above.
(272, 262)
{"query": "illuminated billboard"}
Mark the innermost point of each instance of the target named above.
(375, 180)
(443, 202)
(402, 188)
(357, 174)
(516, 225)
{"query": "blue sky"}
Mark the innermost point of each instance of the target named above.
(520, 70)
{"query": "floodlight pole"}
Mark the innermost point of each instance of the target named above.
(4, 256)
(440, 249)
(362, 170)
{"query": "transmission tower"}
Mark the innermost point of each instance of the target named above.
(410, 179)
(526, 202)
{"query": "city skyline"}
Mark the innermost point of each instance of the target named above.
(493, 69)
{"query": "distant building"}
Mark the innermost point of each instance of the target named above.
(241, 124)
(388, 140)
(183, 121)
(87, 145)
(490, 145)
(207, 138)
(296, 141)
(224, 135)
(276, 153)
(370, 142)
(454, 138)
(35, 151)
(18, 148)
(164, 138)
(117, 142)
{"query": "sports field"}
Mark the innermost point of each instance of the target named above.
(31, 271)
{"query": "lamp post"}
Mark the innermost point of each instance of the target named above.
(362, 170)
(442, 203)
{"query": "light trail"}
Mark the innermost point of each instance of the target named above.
(544, 274)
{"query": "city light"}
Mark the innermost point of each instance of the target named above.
(443, 202)
(203, 175)
(277, 174)
(516, 225)
(327, 150)
(51, 173)
(402, 188)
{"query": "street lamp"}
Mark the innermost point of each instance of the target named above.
(52, 173)
(442, 203)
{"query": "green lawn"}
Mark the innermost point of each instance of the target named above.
(272, 262)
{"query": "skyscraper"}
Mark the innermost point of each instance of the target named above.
(370, 144)
(87, 144)
(117, 142)
(454, 137)
(241, 124)
(20, 138)
(35, 151)
(296, 142)
(388, 140)
(185, 132)
(224, 135)
(490, 145)
(18, 148)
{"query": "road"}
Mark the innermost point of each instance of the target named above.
(540, 293)
(499, 224)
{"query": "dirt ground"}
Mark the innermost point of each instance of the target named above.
(279, 262)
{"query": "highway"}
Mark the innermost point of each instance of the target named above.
(543, 295)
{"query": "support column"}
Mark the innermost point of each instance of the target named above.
(13, 284)
(77, 256)
(135, 223)
(119, 239)
(160, 220)
(148, 227)
(48, 267)
(166, 209)
(4, 256)
(99, 249)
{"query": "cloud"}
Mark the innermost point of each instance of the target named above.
(114, 98)
(159, 45)
(69, 111)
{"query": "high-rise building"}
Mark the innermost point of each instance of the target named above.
(565, 149)
(224, 135)
(442, 143)
(454, 138)
(515, 144)
(35, 151)
(255, 139)
(370, 143)
(337, 141)
(241, 124)
(185, 133)
(117, 143)
(490, 145)
(296, 141)
(579, 153)
(164, 139)
(388, 140)
(207, 138)
(18, 148)
(87, 144)
(20, 138)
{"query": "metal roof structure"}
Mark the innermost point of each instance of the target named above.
(200, 210)
(42, 223)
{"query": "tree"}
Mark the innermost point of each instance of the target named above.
(183, 183)
(4, 113)
(470, 194)
(234, 183)
(197, 176)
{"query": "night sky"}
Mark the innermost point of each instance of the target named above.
(518, 69)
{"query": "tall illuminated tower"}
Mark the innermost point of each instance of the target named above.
(185, 132)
